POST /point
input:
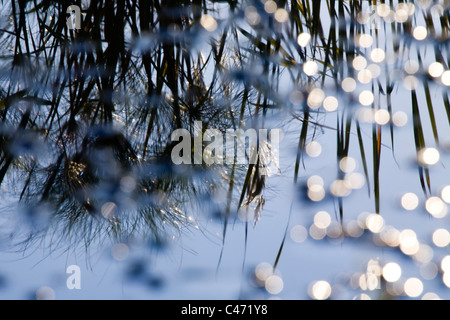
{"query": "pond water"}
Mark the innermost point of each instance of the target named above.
(354, 205)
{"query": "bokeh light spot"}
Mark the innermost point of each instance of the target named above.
(208, 22)
(303, 39)
(315, 98)
(364, 40)
(392, 272)
(330, 104)
(377, 55)
(320, 290)
(382, 117)
(413, 287)
(274, 284)
(428, 156)
(445, 194)
(366, 98)
(359, 63)
(310, 68)
(420, 33)
(410, 201)
(270, 6)
(281, 15)
(441, 238)
(120, 252)
(436, 69)
(445, 78)
(313, 149)
(400, 119)
(299, 234)
(375, 223)
(45, 293)
(348, 85)
(436, 207)
(322, 219)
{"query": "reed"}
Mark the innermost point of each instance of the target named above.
(137, 70)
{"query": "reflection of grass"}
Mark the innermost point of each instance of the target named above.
(137, 67)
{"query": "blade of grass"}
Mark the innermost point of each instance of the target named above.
(301, 144)
(419, 141)
(280, 250)
(363, 155)
(429, 105)
(376, 143)
(447, 105)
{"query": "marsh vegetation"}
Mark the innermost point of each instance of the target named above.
(359, 88)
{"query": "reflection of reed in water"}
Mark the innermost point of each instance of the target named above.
(105, 100)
